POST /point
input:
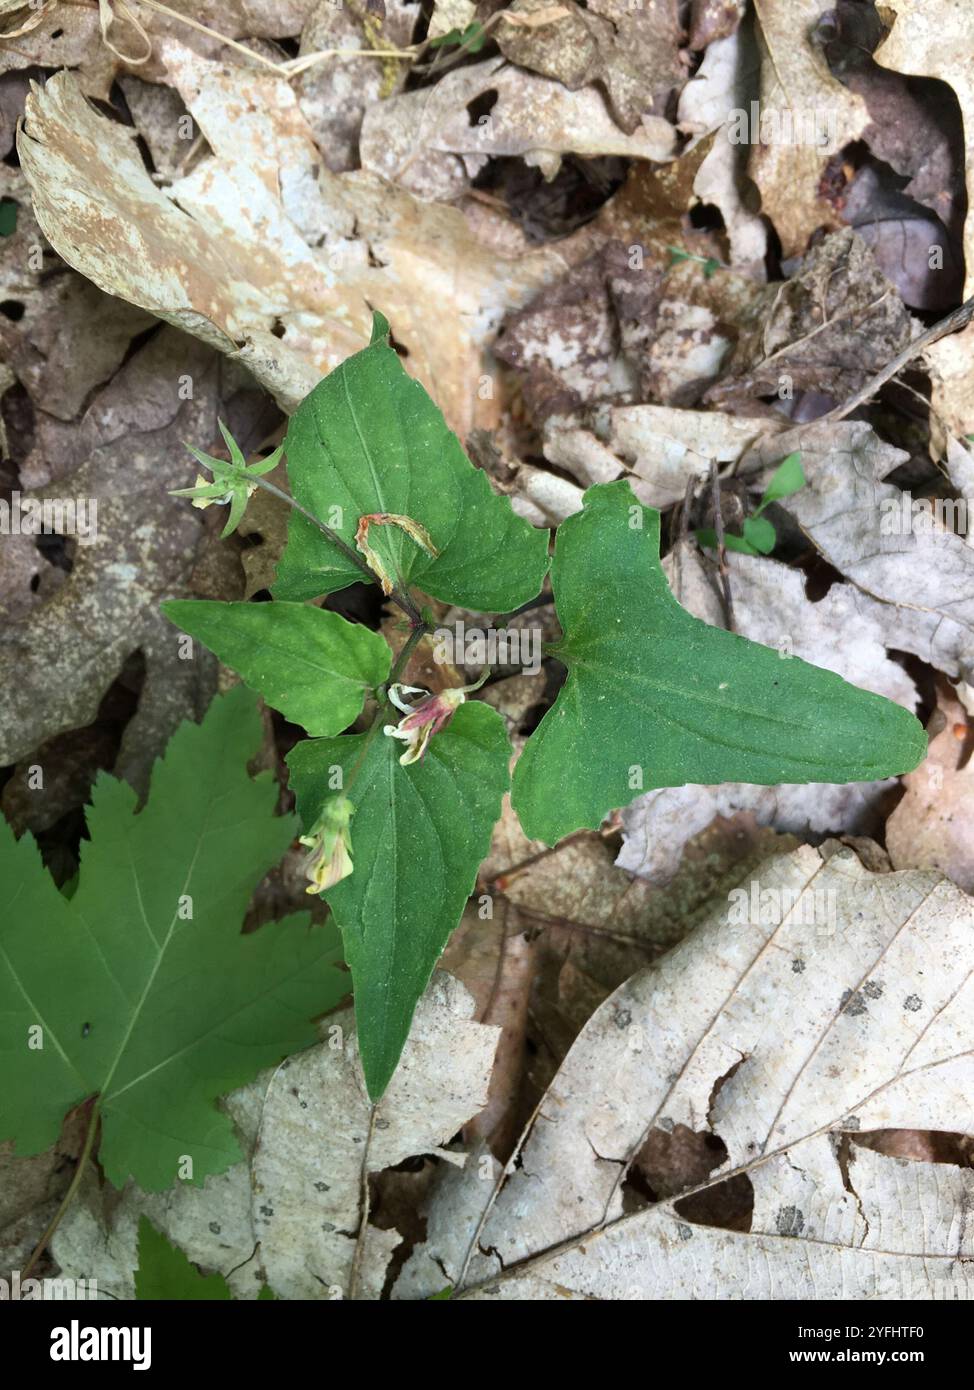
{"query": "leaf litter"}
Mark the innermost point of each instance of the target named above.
(718, 304)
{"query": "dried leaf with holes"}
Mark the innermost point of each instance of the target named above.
(875, 974)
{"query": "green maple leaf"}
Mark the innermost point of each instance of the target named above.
(368, 439)
(140, 989)
(419, 835)
(312, 665)
(655, 698)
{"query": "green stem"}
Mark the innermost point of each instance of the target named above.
(400, 664)
(402, 660)
(71, 1193)
(398, 595)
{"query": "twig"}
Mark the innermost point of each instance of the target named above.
(69, 1196)
(354, 1277)
(721, 552)
(960, 318)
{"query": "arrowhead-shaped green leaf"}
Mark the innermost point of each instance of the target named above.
(140, 988)
(312, 665)
(655, 698)
(419, 835)
(369, 439)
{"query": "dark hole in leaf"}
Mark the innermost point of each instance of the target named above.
(12, 309)
(481, 106)
(706, 217)
(57, 550)
(676, 1159)
(919, 1145)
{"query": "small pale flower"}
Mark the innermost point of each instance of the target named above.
(331, 858)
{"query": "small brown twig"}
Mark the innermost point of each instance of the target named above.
(357, 1258)
(960, 318)
(721, 552)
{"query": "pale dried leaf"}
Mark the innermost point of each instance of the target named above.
(923, 575)
(873, 973)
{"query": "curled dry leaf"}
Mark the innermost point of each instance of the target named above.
(875, 975)
(662, 448)
(435, 140)
(808, 115)
(260, 241)
(720, 86)
(632, 51)
(933, 826)
(829, 329)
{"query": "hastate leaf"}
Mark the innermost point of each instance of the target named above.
(140, 989)
(369, 439)
(312, 665)
(656, 698)
(419, 834)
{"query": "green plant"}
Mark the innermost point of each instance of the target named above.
(399, 817)
(164, 1272)
(472, 38)
(137, 994)
(758, 535)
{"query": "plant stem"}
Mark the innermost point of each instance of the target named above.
(402, 660)
(71, 1193)
(398, 595)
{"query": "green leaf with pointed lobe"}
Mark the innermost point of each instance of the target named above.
(312, 665)
(656, 698)
(419, 835)
(369, 439)
(140, 989)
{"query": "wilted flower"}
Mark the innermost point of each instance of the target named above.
(427, 717)
(331, 858)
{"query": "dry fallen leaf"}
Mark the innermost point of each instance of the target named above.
(142, 545)
(306, 1127)
(922, 575)
(873, 973)
(260, 251)
(807, 117)
(933, 826)
(434, 140)
(631, 51)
